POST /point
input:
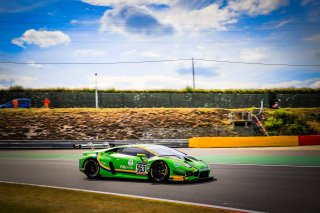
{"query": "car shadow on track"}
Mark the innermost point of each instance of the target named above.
(202, 181)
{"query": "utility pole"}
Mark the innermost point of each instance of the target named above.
(96, 76)
(194, 83)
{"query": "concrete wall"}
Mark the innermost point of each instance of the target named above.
(299, 100)
(117, 100)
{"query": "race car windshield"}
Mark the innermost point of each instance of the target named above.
(165, 151)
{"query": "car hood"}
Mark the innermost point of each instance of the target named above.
(192, 161)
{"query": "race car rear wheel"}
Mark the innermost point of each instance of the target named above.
(159, 172)
(91, 168)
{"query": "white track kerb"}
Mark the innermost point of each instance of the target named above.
(134, 196)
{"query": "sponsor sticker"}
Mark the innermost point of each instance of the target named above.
(130, 162)
(179, 171)
(141, 168)
(126, 167)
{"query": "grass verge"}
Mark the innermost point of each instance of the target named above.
(26, 198)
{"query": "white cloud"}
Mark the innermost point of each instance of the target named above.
(315, 85)
(163, 22)
(84, 22)
(10, 80)
(311, 83)
(26, 80)
(252, 55)
(183, 16)
(150, 54)
(313, 38)
(140, 82)
(42, 38)
(131, 52)
(210, 17)
(74, 21)
(189, 16)
(35, 65)
(134, 19)
(131, 2)
(256, 7)
(6, 81)
(89, 53)
(284, 22)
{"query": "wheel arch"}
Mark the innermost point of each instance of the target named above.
(155, 161)
(89, 158)
(95, 160)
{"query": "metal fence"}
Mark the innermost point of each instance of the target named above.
(144, 100)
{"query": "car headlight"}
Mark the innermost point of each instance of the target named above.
(189, 174)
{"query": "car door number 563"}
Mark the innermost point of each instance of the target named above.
(141, 168)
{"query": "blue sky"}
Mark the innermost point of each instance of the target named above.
(43, 34)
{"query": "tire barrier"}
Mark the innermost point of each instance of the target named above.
(224, 142)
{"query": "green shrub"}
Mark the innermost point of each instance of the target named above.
(282, 122)
(187, 89)
(16, 88)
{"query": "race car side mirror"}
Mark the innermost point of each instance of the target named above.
(141, 155)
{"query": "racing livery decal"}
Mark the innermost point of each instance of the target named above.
(141, 168)
(158, 163)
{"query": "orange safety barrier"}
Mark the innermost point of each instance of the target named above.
(258, 141)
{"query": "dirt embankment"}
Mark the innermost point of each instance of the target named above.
(69, 124)
(109, 124)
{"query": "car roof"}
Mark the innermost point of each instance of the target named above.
(22, 99)
(143, 145)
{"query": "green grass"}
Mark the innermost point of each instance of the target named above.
(26, 198)
(264, 160)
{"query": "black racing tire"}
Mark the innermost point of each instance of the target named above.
(91, 168)
(159, 172)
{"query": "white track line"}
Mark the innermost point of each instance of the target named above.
(269, 165)
(134, 196)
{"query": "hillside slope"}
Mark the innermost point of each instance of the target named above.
(87, 124)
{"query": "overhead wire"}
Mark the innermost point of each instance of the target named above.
(160, 61)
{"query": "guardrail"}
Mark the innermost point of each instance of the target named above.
(71, 144)
(201, 142)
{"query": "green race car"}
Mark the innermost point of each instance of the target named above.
(143, 161)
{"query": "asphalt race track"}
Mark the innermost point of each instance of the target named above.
(250, 187)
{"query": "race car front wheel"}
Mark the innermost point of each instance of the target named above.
(159, 172)
(91, 168)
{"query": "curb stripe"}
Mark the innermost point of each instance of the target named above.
(269, 165)
(134, 196)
